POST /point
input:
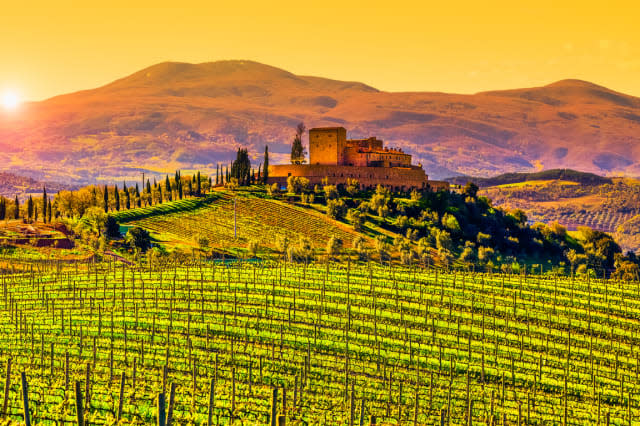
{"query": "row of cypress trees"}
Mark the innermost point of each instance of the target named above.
(31, 208)
(241, 170)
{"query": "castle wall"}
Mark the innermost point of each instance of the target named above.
(354, 156)
(326, 145)
(395, 178)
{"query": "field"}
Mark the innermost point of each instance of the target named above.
(603, 207)
(215, 221)
(340, 342)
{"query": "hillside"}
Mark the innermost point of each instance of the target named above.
(12, 185)
(178, 115)
(605, 206)
(554, 174)
(214, 220)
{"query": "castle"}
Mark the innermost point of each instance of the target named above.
(335, 158)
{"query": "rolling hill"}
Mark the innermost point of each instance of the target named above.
(179, 115)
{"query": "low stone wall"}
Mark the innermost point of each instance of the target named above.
(397, 178)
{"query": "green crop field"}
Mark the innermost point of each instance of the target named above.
(340, 343)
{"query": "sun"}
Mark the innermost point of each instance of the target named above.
(10, 100)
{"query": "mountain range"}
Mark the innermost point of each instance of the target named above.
(192, 116)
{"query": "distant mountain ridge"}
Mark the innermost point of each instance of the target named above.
(192, 116)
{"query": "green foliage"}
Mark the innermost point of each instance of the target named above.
(112, 227)
(356, 218)
(298, 151)
(519, 216)
(265, 167)
(296, 184)
(203, 243)
(138, 238)
(334, 246)
(30, 208)
(253, 247)
(353, 186)
(336, 209)
(241, 167)
(165, 208)
(450, 222)
(553, 174)
(470, 189)
(330, 192)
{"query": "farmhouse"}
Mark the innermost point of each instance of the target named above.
(335, 158)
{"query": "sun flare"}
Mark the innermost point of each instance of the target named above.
(10, 100)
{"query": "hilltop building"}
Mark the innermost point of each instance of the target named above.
(336, 158)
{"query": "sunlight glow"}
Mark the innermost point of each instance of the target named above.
(10, 100)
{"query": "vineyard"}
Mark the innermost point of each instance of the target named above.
(215, 343)
(215, 221)
(604, 220)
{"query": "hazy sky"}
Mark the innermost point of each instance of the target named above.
(53, 47)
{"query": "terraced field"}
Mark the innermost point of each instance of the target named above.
(340, 344)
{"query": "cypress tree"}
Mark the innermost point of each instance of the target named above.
(16, 213)
(3, 208)
(49, 211)
(116, 197)
(30, 208)
(198, 185)
(190, 189)
(297, 149)
(210, 184)
(138, 197)
(127, 197)
(44, 204)
(167, 188)
(106, 199)
(180, 193)
(265, 167)
(149, 186)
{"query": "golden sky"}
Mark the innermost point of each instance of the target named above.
(53, 47)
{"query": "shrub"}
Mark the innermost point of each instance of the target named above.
(253, 248)
(138, 238)
(330, 192)
(296, 184)
(336, 209)
(112, 228)
(334, 246)
(450, 222)
(356, 218)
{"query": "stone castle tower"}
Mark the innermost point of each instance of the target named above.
(335, 158)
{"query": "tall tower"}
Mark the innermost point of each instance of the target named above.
(326, 145)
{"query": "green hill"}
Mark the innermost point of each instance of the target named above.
(554, 174)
